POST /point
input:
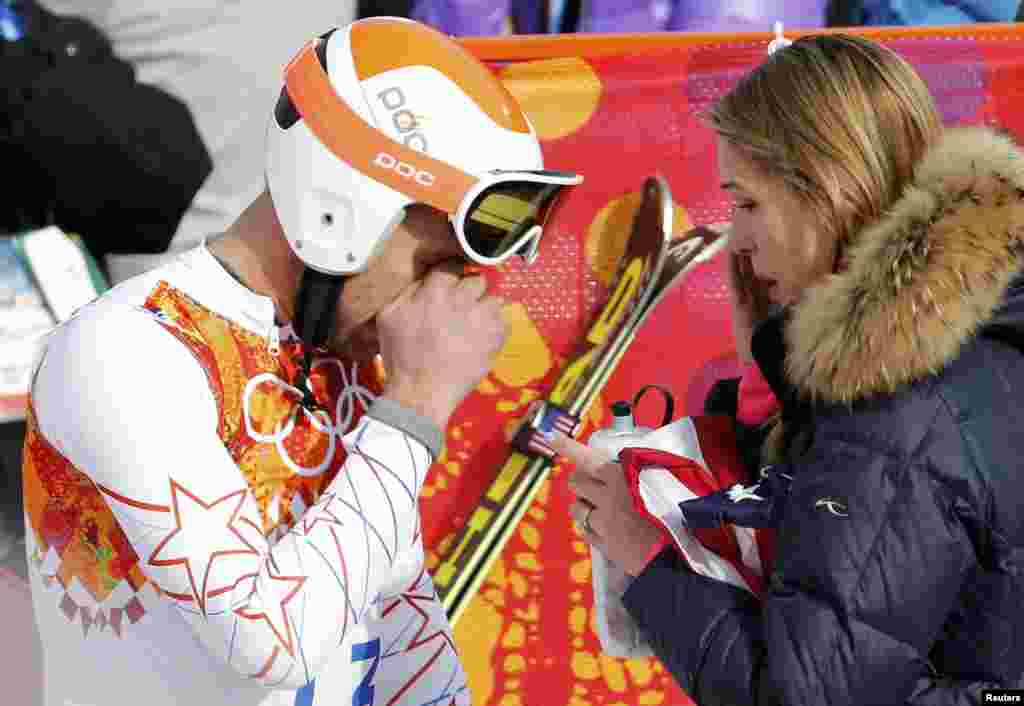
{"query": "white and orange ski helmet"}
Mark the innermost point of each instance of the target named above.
(387, 112)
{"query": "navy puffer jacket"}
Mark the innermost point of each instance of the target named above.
(899, 576)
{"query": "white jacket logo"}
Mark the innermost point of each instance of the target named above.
(832, 505)
(407, 171)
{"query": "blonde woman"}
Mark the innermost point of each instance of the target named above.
(891, 249)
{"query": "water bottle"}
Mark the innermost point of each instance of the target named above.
(619, 635)
(621, 434)
(624, 431)
(12, 21)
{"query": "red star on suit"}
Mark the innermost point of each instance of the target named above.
(203, 533)
(320, 513)
(418, 640)
(276, 594)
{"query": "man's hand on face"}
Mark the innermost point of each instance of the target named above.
(439, 339)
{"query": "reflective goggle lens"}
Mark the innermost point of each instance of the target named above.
(502, 214)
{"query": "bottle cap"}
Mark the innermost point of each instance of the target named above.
(780, 42)
(622, 408)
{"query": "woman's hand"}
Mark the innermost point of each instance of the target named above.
(749, 303)
(604, 507)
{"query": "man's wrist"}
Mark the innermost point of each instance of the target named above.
(420, 401)
(410, 422)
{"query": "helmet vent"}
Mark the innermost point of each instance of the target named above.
(321, 48)
(285, 112)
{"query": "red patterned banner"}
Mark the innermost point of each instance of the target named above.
(619, 109)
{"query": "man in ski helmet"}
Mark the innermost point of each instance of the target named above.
(221, 492)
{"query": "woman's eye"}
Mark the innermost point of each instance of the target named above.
(745, 205)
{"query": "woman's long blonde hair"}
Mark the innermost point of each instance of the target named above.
(841, 119)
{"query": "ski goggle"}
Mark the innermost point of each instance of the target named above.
(496, 215)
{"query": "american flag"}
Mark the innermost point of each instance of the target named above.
(547, 418)
(718, 518)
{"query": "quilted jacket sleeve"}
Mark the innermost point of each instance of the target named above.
(870, 560)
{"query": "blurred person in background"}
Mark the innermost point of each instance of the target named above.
(140, 125)
(853, 13)
(496, 17)
(200, 52)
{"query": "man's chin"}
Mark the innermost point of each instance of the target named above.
(356, 352)
(360, 349)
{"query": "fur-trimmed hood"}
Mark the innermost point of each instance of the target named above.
(922, 280)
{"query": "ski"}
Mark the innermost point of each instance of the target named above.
(651, 265)
(698, 245)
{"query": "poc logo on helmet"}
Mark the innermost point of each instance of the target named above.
(407, 171)
(403, 119)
